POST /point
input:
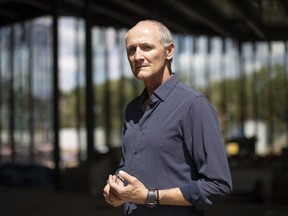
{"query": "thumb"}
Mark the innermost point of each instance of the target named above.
(127, 177)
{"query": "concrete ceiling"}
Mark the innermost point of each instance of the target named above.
(243, 20)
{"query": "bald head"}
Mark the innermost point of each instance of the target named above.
(164, 34)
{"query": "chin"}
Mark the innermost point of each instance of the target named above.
(141, 75)
(140, 78)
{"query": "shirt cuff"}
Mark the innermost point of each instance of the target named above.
(193, 195)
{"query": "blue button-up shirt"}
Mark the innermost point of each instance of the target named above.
(175, 142)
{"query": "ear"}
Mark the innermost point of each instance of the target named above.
(170, 51)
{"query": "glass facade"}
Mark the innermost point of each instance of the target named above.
(26, 93)
(246, 83)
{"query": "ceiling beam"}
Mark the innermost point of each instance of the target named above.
(9, 14)
(250, 17)
(111, 13)
(241, 20)
(146, 13)
(38, 4)
(102, 10)
(200, 14)
(284, 9)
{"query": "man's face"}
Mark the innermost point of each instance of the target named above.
(146, 55)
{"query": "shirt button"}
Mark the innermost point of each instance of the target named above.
(135, 152)
(140, 129)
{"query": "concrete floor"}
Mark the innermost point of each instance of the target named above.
(46, 202)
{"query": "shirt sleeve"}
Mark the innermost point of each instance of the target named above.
(205, 146)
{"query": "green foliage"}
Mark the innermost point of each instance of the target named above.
(72, 106)
(264, 98)
(110, 98)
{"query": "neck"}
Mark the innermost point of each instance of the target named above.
(153, 83)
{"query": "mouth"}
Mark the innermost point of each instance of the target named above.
(138, 67)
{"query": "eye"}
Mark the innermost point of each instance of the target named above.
(131, 50)
(146, 47)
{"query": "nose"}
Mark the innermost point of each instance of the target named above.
(138, 54)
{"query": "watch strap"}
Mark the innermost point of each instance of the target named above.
(152, 200)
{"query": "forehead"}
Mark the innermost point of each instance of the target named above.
(143, 32)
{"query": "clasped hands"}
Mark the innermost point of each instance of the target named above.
(116, 193)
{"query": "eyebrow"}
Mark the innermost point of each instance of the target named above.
(140, 44)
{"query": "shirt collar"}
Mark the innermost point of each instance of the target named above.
(162, 91)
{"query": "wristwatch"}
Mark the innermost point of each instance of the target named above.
(152, 200)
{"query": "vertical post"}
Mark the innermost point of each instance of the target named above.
(270, 98)
(11, 97)
(122, 100)
(89, 83)
(286, 89)
(254, 91)
(242, 102)
(223, 87)
(107, 97)
(57, 177)
(207, 70)
(192, 73)
(78, 94)
(1, 90)
(30, 93)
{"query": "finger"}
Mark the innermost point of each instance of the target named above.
(111, 200)
(111, 197)
(120, 178)
(115, 184)
(114, 199)
(106, 188)
(115, 202)
(112, 179)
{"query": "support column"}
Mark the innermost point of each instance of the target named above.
(57, 175)
(286, 89)
(1, 90)
(89, 83)
(270, 98)
(223, 106)
(78, 90)
(11, 98)
(254, 87)
(242, 97)
(207, 71)
(107, 95)
(31, 121)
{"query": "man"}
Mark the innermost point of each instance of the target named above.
(173, 159)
